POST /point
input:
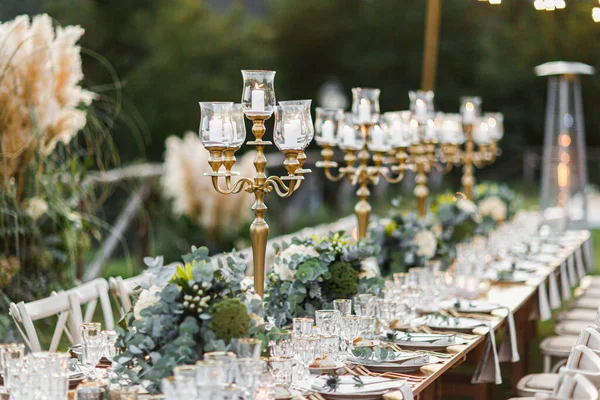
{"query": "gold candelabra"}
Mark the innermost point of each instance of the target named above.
(358, 141)
(291, 138)
(423, 156)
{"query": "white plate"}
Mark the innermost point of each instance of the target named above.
(390, 366)
(470, 306)
(514, 277)
(419, 341)
(448, 323)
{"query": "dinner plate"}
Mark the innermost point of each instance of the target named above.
(441, 323)
(426, 342)
(374, 387)
(404, 367)
(508, 276)
(469, 306)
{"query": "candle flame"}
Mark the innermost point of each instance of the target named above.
(469, 106)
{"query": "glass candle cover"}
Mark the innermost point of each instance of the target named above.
(327, 125)
(238, 126)
(495, 123)
(258, 95)
(397, 124)
(350, 137)
(365, 105)
(470, 108)
(481, 131)
(451, 131)
(293, 125)
(216, 127)
(421, 105)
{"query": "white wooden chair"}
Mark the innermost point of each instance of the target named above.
(583, 360)
(89, 294)
(569, 387)
(65, 306)
(123, 289)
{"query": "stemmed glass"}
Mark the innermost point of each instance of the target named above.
(281, 344)
(305, 348)
(328, 322)
(364, 305)
(386, 310)
(302, 326)
(91, 337)
(344, 306)
(248, 374)
(350, 330)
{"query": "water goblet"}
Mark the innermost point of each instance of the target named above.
(109, 341)
(302, 326)
(364, 304)
(305, 348)
(344, 306)
(11, 358)
(281, 370)
(248, 373)
(281, 345)
(247, 347)
(386, 311)
(350, 332)
(367, 327)
(328, 321)
(228, 359)
(186, 379)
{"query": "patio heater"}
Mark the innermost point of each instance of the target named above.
(564, 164)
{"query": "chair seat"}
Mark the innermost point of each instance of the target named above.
(587, 302)
(531, 384)
(589, 282)
(558, 346)
(571, 328)
(578, 314)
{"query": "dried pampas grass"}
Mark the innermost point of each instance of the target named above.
(186, 161)
(41, 102)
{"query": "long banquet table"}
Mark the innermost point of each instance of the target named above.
(522, 299)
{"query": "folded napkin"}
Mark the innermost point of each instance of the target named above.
(371, 384)
(488, 369)
(571, 270)
(587, 252)
(553, 291)
(579, 262)
(564, 282)
(509, 349)
(544, 305)
(432, 339)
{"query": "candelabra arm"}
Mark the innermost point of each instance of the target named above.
(280, 187)
(239, 185)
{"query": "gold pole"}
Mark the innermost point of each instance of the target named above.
(430, 51)
(468, 178)
(363, 208)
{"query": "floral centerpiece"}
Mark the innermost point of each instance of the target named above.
(459, 217)
(308, 274)
(407, 241)
(497, 203)
(186, 311)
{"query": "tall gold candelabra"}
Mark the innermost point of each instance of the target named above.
(423, 156)
(223, 157)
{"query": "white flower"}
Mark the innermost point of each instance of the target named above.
(284, 267)
(36, 207)
(148, 297)
(494, 207)
(370, 268)
(246, 283)
(426, 244)
(466, 206)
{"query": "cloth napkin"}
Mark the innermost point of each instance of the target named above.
(553, 291)
(544, 305)
(587, 248)
(564, 282)
(509, 349)
(488, 370)
(579, 262)
(571, 270)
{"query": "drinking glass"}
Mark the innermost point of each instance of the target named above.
(231, 392)
(302, 326)
(91, 338)
(350, 331)
(124, 393)
(281, 370)
(385, 313)
(281, 344)
(305, 348)
(56, 376)
(367, 327)
(11, 358)
(328, 347)
(185, 379)
(167, 386)
(109, 341)
(247, 347)
(327, 321)
(364, 304)
(248, 373)
(227, 358)
(344, 306)
(90, 391)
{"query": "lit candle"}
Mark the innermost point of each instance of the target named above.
(469, 113)
(430, 130)
(258, 99)
(420, 109)
(327, 131)
(215, 130)
(377, 137)
(227, 132)
(364, 112)
(482, 134)
(291, 133)
(348, 136)
(447, 131)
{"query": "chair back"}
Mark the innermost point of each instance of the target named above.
(63, 305)
(590, 338)
(123, 289)
(89, 294)
(585, 359)
(576, 387)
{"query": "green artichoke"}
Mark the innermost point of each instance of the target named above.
(343, 283)
(229, 319)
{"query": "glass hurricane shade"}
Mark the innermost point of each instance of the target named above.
(221, 124)
(293, 125)
(397, 124)
(258, 95)
(328, 122)
(450, 129)
(470, 108)
(365, 105)
(421, 104)
(495, 123)
(350, 136)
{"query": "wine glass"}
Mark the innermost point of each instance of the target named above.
(344, 306)
(305, 348)
(91, 336)
(328, 321)
(350, 330)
